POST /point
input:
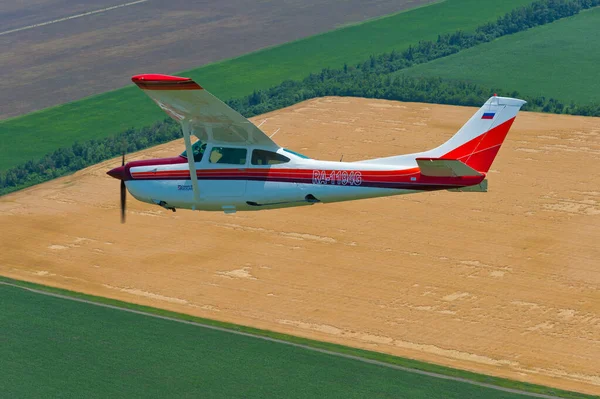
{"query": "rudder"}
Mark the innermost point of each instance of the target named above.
(477, 143)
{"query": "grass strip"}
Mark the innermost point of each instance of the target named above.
(558, 60)
(381, 357)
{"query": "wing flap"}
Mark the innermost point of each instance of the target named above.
(210, 119)
(437, 167)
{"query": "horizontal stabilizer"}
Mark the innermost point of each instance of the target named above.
(436, 167)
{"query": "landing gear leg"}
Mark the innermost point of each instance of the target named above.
(165, 205)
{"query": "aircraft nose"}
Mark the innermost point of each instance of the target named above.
(117, 173)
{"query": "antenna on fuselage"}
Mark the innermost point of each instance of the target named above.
(274, 133)
(261, 123)
(342, 157)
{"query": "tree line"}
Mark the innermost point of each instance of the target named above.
(80, 155)
(373, 78)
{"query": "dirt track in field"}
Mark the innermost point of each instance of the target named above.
(505, 282)
(71, 59)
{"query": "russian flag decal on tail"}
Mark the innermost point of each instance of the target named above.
(488, 115)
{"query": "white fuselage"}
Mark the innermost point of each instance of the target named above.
(300, 181)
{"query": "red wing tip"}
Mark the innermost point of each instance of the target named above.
(164, 82)
(153, 77)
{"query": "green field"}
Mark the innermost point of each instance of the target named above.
(34, 135)
(559, 60)
(55, 347)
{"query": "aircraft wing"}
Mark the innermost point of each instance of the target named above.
(208, 118)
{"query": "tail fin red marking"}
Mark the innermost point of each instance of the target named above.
(479, 153)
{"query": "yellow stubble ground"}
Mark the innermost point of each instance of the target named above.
(505, 282)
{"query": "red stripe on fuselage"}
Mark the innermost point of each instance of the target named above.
(152, 162)
(401, 179)
(369, 175)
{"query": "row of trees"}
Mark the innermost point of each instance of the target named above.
(373, 78)
(537, 13)
(394, 87)
(80, 155)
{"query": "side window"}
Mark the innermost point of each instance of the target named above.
(262, 157)
(232, 156)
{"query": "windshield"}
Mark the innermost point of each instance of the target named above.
(296, 153)
(198, 149)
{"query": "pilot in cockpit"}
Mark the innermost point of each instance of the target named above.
(198, 149)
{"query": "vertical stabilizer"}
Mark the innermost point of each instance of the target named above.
(477, 142)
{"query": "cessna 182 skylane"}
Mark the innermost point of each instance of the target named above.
(235, 166)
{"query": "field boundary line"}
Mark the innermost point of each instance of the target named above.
(280, 341)
(85, 14)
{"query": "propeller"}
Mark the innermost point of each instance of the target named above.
(119, 173)
(123, 193)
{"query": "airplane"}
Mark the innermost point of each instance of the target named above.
(235, 166)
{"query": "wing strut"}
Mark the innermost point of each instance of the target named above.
(185, 126)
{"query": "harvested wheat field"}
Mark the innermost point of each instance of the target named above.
(505, 282)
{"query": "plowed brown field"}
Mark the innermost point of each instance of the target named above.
(505, 282)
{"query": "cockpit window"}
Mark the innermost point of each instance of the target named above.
(262, 157)
(198, 149)
(233, 156)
